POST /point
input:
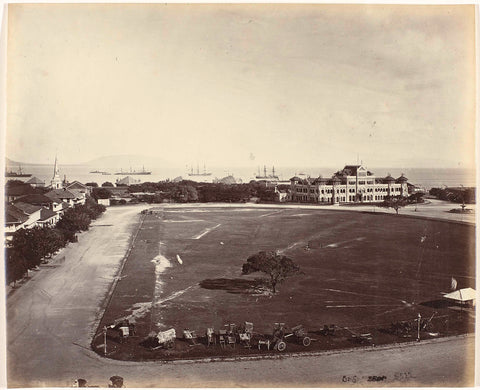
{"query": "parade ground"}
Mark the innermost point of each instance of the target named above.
(180, 267)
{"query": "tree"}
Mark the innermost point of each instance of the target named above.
(184, 193)
(28, 245)
(101, 193)
(33, 245)
(416, 197)
(395, 202)
(15, 265)
(73, 221)
(107, 184)
(275, 265)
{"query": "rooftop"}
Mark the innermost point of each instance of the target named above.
(37, 199)
(14, 215)
(27, 208)
(46, 214)
(35, 180)
(61, 194)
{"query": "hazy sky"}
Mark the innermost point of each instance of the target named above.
(287, 85)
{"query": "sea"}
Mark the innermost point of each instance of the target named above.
(423, 177)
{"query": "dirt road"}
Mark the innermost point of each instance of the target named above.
(52, 318)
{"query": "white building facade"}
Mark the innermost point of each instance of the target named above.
(353, 184)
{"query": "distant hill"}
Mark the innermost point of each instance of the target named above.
(9, 162)
(126, 161)
(12, 163)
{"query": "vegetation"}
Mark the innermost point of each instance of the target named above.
(101, 193)
(29, 247)
(394, 202)
(416, 197)
(107, 184)
(189, 191)
(455, 194)
(278, 267)
(15, 265)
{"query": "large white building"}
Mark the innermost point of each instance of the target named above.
(353, 184)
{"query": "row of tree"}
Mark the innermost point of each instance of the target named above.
(29, 247)
(455, 194)
(189, 191)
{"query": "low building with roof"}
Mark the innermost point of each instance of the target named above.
(38, 200)
(352, 184)
(79, 187)
(71, 197)
(31, 211)
(48, 218)
(36, 182)
(15, 219)
(281, 195)
(17, 190)
(127, 181)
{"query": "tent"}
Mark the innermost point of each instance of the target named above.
(463, 296)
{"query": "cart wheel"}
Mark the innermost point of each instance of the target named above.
(281, 346)
(306, 341)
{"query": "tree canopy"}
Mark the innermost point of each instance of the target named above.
(395, 202)
(277, 266)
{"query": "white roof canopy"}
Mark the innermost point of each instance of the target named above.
(463, 295)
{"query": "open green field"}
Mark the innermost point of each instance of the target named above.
(360, 270)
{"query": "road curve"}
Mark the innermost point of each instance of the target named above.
(52, 319)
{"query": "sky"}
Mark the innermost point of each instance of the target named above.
(289, 85)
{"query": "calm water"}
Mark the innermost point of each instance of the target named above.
(427, 177)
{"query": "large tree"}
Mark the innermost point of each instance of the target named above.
(33, 245)
(277, 266)
(74, 220)
(395, 202)
(28, 244)
(15, 265)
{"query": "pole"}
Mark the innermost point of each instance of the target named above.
(105, 340)
(418, 328)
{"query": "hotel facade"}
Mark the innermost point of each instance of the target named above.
(353, 184)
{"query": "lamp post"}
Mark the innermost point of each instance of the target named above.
(105, 340)
(418, 328)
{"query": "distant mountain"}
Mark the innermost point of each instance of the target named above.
(126, 161)
(12, 163)
(9, 162)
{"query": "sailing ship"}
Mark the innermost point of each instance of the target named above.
(142, 172)
(271, 177)
(17, 174)
(198, 173)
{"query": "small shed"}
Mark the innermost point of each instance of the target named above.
(464, 296)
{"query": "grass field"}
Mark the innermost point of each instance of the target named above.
(360, 270)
